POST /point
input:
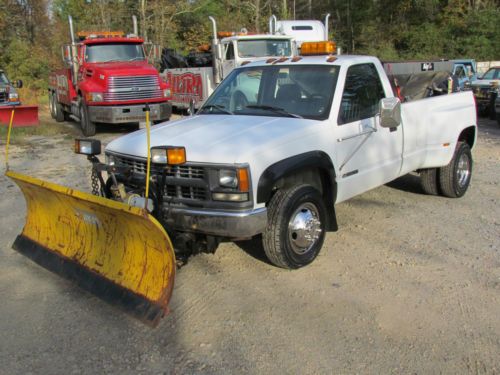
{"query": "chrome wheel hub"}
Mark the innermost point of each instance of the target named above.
(463, 170)
(304, 228)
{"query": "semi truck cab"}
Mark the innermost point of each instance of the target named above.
(108, 79)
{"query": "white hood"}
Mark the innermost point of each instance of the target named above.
(218, 138)
(484, 82)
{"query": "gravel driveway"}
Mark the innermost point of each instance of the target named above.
(409, 284)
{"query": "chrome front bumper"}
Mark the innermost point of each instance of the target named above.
(228, 224)
(129, 113)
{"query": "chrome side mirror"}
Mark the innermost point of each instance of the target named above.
(390, 112)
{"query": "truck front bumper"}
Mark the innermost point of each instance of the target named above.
(243, 224)
(129, 113)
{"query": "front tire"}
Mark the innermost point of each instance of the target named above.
(88, 127)
(454, 179)
(296, 226)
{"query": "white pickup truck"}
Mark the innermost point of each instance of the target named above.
(316, 131)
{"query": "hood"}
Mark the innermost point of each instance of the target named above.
(218, 138)
(484, 82)
(123, 68)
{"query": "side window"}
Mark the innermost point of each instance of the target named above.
(229, 51)
(362, 93)
(460, 72)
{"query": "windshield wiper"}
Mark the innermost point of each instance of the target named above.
(277, 110)
(136, 58)
(110, 60)
(217, 106)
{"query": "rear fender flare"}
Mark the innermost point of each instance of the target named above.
(299, 164)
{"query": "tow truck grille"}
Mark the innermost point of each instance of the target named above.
(133, 88)
(183, 182)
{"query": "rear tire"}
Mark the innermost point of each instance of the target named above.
(52, 106)
(58, 109)
(454, 179)
(429, 181)
(296, 226)
(88, 127)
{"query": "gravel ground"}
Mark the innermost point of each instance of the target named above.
(409, 284)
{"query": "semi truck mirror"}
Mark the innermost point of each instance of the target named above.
(18, 84)
(390, 112)
(66, 54)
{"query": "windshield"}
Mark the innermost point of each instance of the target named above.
(280, 91)
(264, 47)
(3, 78)
(492, 74)
(114, 52)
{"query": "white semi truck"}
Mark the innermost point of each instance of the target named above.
(192, 84)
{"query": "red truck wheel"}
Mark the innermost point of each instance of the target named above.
(88, 127)
(58, 113)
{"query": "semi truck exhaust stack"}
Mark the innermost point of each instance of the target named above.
(134, 23)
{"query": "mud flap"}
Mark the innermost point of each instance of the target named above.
(25, 115)
(118, 252)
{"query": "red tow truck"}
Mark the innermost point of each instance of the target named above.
(108, 79)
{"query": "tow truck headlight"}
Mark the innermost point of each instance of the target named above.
(168, 155)
(95, 97)
(167, 93)
(88, 146)
(13, 97)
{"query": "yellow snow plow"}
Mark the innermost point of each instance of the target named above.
(119, 252)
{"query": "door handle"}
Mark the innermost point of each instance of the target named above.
(369, 131)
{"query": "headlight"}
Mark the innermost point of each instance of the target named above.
(235, 179)
(110, 159)
(94, 97)
(228, 178)
(167, 93)
(13, 97)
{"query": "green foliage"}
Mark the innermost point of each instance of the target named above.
(29, 63)
(405, 29)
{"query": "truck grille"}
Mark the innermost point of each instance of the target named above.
(482, 92)
(133, 88)
(183, 182)
(3, 97)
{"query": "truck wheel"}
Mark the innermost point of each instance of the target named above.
(296, 226)
(52, 104)
(454, 179)
(88, 127)
(429, 181)
(58, 110)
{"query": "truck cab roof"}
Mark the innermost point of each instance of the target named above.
(256, 36)
(318, 60)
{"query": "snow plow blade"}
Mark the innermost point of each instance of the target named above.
(118, 252)
(25, 115)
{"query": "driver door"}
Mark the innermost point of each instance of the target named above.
(367, 155)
